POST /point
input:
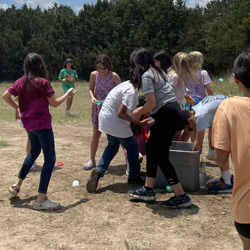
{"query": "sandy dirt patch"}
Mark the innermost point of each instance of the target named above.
(107, 219)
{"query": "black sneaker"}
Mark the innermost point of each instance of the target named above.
(138, 181)
(143, 194)
(93, 181)
(177, 202)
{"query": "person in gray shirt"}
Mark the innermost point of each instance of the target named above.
(165, 110)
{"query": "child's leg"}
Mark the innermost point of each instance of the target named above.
(28, 147)
(32, 155)
(108, 154)
(46, 139)
(94, 143)
(69, 102)
(130, 144)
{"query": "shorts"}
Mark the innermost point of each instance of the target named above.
(67, 85)
(243, 229)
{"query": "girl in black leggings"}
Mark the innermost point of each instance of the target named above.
(163, 107)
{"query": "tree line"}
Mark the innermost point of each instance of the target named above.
(221, 31)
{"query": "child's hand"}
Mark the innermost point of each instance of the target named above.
(71, 92)
(149, 121)
(17, 114)
(93, 101)
(189, 99)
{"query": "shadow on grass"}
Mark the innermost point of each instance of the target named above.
(123, 188)
(25, 203)
(170, 212)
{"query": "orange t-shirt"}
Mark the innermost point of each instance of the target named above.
(231, 132)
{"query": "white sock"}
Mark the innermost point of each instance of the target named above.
(227, 177)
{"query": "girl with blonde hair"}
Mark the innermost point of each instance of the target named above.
(179, 74)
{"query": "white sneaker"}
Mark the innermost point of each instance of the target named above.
(67, 112)
(89, 165)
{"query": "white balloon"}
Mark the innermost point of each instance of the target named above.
(75, 183)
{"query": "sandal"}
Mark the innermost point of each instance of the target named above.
(46, 205)
(33, 168)
(14, 189)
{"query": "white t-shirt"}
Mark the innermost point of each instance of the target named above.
(109, 122)
(205, 111)
(198, 90)
(179, 89)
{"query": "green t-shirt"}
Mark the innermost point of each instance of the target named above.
(65, 74)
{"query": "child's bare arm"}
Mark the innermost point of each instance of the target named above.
(116, 79)
(92, 86)
(54, 102)
(149, 105)
(7, 98)
(123, 115)
(208, 89)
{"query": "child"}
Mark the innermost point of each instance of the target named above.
(28, 147)
(231, 129)
(114, 120)
(20, 124)
(140, 133)
(68, 76)
(34, 96)
(162, 60)
(179, 74)
(163, 107)
(101, 81)
(197, 90)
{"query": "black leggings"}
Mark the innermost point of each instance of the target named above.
(167, 121)
(243, 229)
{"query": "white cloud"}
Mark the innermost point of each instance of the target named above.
(202, 3)
(43, 4)
(4, 6)
(77, 9)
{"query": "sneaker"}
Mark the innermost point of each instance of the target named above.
(93, 181)
(89, 165)
(217, 179)
(221, 187)
(136, 181)
(177, 202)
(67, 112)
(143, 194)
(210, 155)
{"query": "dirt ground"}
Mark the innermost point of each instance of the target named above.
(108, 219)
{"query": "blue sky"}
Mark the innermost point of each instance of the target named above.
(76, 5)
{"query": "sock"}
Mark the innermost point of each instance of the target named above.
(211, 151)
(182, 196)
(148, 188)
(226, 176)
